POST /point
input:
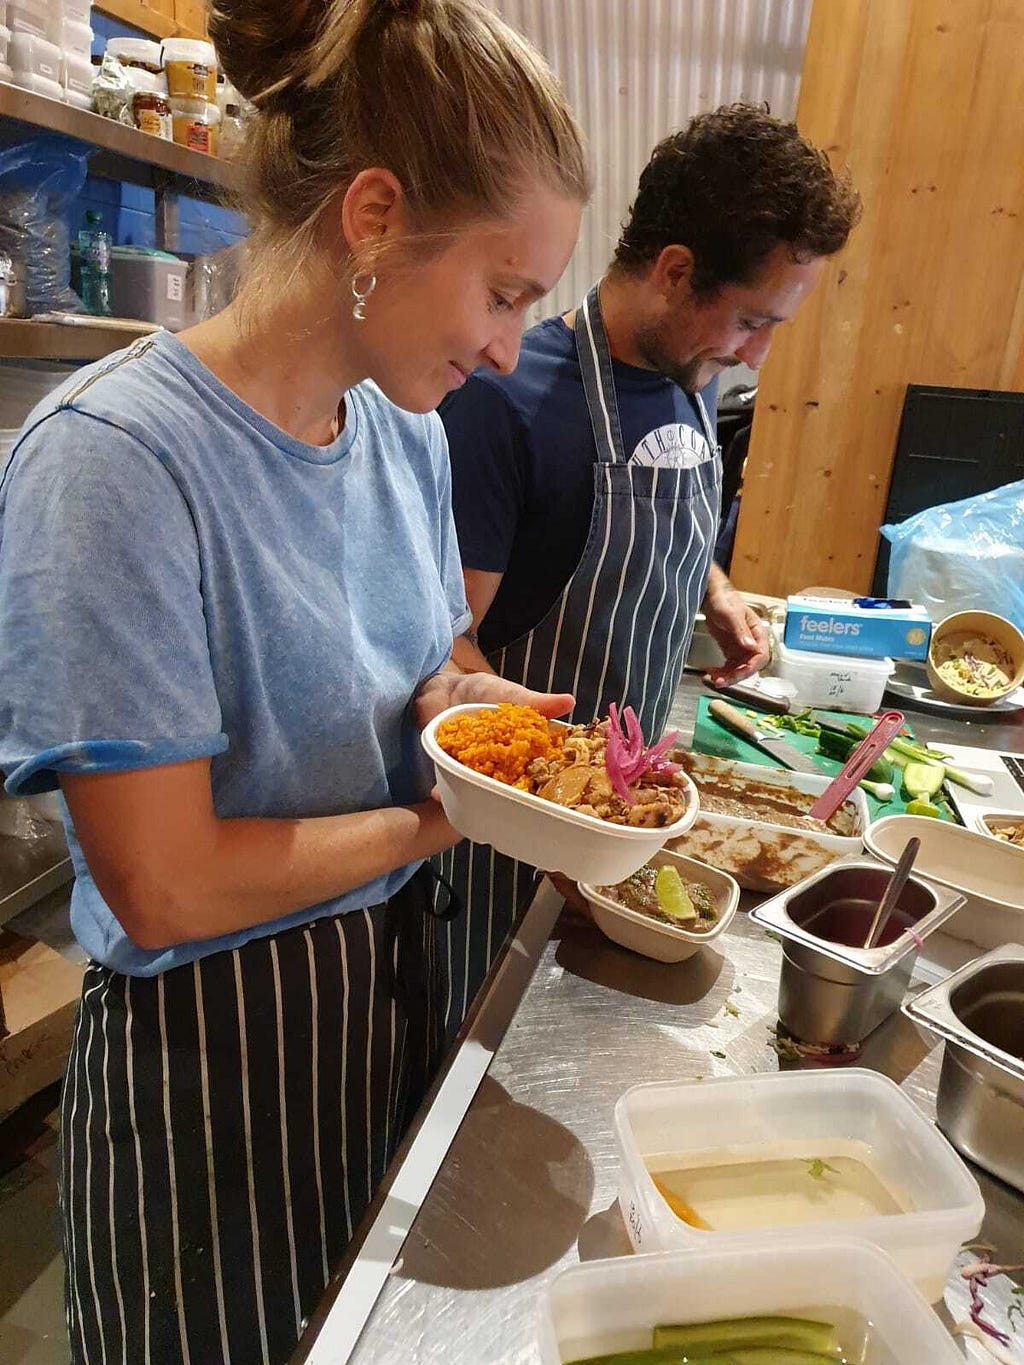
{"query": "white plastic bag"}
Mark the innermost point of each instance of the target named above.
(963, 556)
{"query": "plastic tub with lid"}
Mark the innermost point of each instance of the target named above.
(613, 1305)
(195, 124)
(76, 76)
(29, 55)
(549, 836)
(30, 16)
(802, 1114)
(76, 37)
(79, 11)
(831, 681)
(6, 74)
(136, 52)
(5, 41)
(191, 67)
(39, 85)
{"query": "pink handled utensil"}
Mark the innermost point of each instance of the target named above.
(877, 739)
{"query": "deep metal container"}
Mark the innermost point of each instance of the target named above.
(979, 1010)
(836, 993)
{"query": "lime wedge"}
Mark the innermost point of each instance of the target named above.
(673, 897)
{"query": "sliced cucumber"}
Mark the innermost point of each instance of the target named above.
(803, 1334)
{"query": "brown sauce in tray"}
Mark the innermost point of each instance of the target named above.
(744, 798)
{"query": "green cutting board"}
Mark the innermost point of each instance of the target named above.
(711, 738)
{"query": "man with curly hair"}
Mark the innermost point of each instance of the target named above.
(586, 483)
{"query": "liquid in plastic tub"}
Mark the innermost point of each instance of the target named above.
(613, 1305)
(810, 1115)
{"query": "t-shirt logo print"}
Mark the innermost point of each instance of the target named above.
(675, 446)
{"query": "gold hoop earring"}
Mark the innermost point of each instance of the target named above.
(361, 295)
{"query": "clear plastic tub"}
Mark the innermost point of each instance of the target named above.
(191, 67)
(613, 1305)
(29, 55)
(831, 681)
(76, 76)
(5, 40)
(76, 38)
(80, 11)
(803, 1114)
(39, 85)
(542, 833)
(654, 938)
(30, 16)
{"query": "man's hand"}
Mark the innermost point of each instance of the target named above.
(737, 629)
(456, 689)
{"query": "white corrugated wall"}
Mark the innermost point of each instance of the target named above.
(635, 70)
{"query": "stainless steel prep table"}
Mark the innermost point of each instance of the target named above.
(519, 1130)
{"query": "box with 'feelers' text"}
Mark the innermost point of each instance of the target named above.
(837, 626)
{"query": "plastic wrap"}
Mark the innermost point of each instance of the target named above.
(38, 180)
(963, 556)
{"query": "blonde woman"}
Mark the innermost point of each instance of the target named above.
(229, 588)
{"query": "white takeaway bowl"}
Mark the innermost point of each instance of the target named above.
(542, 833)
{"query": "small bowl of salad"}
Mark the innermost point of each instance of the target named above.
(975, 657)
(667, 909)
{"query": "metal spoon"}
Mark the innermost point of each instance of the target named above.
(893, 891)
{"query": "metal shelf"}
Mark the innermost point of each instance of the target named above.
(123, 153)
(21, 338)
(31, 868)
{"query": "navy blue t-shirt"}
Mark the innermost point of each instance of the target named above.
(522, 454)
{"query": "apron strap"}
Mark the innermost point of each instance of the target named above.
(710, 434)
(595, 359)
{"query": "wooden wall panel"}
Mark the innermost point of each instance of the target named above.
(924, 100)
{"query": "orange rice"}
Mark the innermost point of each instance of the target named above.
(502, 743)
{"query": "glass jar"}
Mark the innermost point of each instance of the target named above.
(151, 109)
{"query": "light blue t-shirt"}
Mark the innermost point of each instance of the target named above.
(180, 578)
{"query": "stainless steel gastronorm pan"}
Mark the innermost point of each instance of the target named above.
(979, 1010)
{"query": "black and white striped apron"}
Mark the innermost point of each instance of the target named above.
(224, 1126)
(618, 633)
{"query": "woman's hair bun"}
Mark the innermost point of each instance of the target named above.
(264, 46)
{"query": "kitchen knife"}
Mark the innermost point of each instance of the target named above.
(753, 696)
(779, 748)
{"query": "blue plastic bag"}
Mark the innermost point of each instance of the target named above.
(963, 556)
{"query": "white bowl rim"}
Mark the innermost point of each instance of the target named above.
(1011, 817)
(672, 931)
(454, 768)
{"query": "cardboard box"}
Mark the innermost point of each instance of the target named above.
(39, 991)
(838, 626)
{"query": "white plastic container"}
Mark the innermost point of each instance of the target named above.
(191, 67)
(30, 16)
(76, 38)
(39, 85)
(831, 681)
(79, 11)
(6, 74)
(803, 1113)
(987, 872)
(136, 51)
(76, 78)
(5, 40)
(613, 1305)
(654, 938)
(29, 55)
(542, 833)
(762, 855)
